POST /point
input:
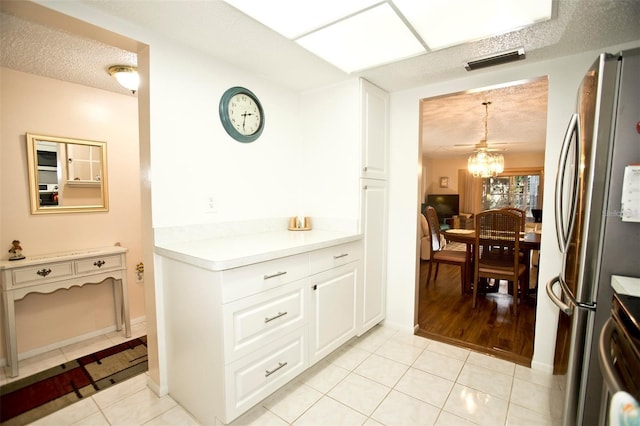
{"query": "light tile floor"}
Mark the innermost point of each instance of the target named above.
(385, 377)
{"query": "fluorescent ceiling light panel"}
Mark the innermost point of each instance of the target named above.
(374, 37)
(445, 23)
(294, 18)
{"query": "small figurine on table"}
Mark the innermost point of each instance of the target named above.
(16, 250)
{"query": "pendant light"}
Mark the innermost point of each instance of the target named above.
(483, 163)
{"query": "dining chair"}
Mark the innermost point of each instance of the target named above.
(497, 249)
(519, 212)
(523, 226)
(438, 254)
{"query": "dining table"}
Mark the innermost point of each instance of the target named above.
(529, 241)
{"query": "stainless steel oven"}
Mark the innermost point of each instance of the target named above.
(620, 350)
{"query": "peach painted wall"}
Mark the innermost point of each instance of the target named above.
(31, 103)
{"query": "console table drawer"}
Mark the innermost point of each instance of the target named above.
(102, 263)
(42, 272)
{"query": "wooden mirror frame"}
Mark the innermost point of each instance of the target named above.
(94, 188)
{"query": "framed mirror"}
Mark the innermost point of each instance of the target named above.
(66, 175)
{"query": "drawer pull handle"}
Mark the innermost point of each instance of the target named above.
(267, 373)
(99, 263)
(277, 274)
(278, 315)
(44, 272)
(340, 256)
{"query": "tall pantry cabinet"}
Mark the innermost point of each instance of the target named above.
(374, 172)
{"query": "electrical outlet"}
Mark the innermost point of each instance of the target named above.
(211, 205)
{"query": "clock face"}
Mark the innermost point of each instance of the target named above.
(244, 114)
(241, 114)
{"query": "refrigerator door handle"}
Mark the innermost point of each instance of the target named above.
(563, 230)
(566, 292)
(566, 309)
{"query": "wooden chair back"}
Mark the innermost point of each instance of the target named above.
(434, 229)
(519, 212)
(497, 248)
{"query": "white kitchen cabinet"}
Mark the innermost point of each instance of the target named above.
(252, 378)
(374, 110)
(374, 199)
(333, 310)
(234, 335)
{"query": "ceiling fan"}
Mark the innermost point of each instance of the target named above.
(482, 145)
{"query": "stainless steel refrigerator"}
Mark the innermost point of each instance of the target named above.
(596, 240)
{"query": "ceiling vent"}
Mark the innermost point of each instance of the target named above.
(496, 59)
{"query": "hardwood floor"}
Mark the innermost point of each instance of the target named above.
(446, 315)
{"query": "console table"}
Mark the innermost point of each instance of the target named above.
(48, 273)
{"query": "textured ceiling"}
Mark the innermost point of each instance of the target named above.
(30, 47)
(517, 119)
(209, 25)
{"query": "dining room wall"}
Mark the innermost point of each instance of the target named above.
(435, 168)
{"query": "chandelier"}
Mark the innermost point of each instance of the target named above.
(483, 163)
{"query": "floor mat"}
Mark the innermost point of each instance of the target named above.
(36, 396)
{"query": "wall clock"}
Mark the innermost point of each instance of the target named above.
(241, 114)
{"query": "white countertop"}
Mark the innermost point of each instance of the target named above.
(218, 254)
(626, 285)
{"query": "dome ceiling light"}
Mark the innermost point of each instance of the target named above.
(127, 76)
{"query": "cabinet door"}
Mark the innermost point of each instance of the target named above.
(333, 309)
(374, 227)
(375, 131)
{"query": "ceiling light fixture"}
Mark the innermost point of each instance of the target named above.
(355, 35)
(126, 75)
(483, 163)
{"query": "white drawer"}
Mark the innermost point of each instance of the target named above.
(101, 263)
(331, 257)
(42, 273)
(259, 277)
(254, 377)
(252, 322)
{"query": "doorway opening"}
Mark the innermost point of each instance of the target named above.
(450, 129)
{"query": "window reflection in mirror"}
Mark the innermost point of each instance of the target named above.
(66, 175)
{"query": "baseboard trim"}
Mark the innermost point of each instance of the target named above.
(157, 389)
(70, 341)
(541, 366)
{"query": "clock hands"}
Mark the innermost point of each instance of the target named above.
(244, 118)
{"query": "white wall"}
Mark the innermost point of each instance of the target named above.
(564, 77)
(331, 154)
(193, 157)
